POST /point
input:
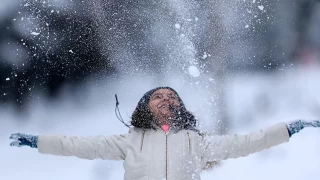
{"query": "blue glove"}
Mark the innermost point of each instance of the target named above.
(24, 140)
(298, 125)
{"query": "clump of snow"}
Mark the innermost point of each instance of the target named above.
(177, 26)
(246, 26)
(35, 33)
(194, 71)
(205, 55)
(7, 79)
(261, 7)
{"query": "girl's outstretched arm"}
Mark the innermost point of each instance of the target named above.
(95, 147)
(234, 146)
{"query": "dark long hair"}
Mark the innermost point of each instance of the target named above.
(143, 118)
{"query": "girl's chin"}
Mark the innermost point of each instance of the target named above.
(165, 116)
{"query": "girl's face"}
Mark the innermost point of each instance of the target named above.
(160, 101)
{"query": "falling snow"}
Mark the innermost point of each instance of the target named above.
(261, 7)
(35, 33)
(205, 55)
(194, 71)
(134, 40)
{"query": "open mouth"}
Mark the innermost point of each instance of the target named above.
(163, 106)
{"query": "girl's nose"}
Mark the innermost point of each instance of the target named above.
(166, 98)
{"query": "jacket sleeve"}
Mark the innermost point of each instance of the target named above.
(224, 147)
(96, 147)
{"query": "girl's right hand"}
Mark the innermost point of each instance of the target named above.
(21, 139)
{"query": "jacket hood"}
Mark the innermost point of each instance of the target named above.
(143, 118)
(146, 97)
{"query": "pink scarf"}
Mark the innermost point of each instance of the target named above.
(165, 127)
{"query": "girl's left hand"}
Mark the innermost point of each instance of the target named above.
(298, 125)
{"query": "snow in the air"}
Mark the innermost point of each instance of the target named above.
(261, 7)
(205, 55)
(35, 33)
(177, 26)
(187, 40)
(194, 71)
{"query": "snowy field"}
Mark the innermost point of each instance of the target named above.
(254, 102)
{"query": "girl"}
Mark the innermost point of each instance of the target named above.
(164, 142)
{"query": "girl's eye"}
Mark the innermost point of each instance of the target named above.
(156, 97)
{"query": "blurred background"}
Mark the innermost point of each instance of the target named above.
(239, 66)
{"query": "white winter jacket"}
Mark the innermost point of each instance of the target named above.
(156, 155)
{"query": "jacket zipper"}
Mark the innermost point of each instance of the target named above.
(166, 156)
(142, 138)
(189, 142)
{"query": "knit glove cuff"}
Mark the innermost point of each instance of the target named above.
(298, 125)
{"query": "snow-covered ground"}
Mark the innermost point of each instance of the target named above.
(254, 102)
